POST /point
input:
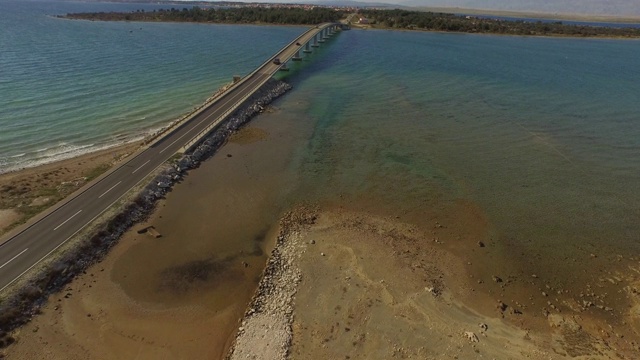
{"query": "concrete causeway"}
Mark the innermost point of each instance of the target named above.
(27, 245)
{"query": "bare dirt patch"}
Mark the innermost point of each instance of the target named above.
(248, 135)
(7, 217)
(376, 288)
(181, 278)
(357, 286)
(30, 191)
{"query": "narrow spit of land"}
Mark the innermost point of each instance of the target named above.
(374, 18)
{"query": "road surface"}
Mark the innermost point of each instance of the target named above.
(37, 240)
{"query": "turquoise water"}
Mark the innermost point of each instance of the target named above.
(68, 87)
(542, 134)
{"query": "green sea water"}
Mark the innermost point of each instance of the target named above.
(72, 87)
(542, 134)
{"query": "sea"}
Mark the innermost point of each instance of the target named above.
(542, 134)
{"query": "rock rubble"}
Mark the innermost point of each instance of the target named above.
(265, 332)
(26, 302)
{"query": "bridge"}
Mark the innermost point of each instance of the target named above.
(27, 245)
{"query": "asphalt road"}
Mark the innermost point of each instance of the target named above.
(23, 251)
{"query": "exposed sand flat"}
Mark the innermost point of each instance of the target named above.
(373, 288)
(179, 296)
(95, 319)
(29, 191)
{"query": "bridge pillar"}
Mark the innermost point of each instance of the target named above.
(307, 49)
(315, 41)
(284, 67)
(321, 36)
(297, 56)
(325, 34)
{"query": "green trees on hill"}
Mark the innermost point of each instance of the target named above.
(242, 15)
(419, 20)
(395, 19)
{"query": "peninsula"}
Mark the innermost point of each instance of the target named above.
(367, 17)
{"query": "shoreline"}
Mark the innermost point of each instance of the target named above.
(21, 300)
(142, 138)
(330, 290)
(61, 178)
(558, 36)
(172, 287)
(28, 192)
(346, 292)
(534, 15)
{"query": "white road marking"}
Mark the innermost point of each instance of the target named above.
(181, 136)
(111, 188)
(13, 258)
(54, 249)
(231, 99)
(72, 216)
(140, 167)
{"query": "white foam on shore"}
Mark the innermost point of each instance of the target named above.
(63, 151)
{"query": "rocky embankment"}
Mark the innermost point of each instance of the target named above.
(265, 332)
(22, 304)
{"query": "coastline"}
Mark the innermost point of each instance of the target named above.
(26, 192)
(330, 290)
(24, 299)
(21, 199)
(534, 15)
(347, 289)
(551, 36)
(148, 287)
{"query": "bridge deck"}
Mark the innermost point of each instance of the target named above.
(23, 248)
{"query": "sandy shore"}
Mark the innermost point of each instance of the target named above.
(346, 279)
(180, 295)
(350, 285)
(340, 284)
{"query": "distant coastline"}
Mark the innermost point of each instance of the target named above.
(535, 15)
(378, 18)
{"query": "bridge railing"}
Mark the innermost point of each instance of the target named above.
(195, 139)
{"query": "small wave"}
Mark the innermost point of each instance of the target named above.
(17, 155)
(63, 151)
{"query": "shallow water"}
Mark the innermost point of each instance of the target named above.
(69, 87)
(542, 134)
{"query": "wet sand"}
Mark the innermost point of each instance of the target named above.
(377, 278)
(180, 295)
(372, 287)
(25, 193)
